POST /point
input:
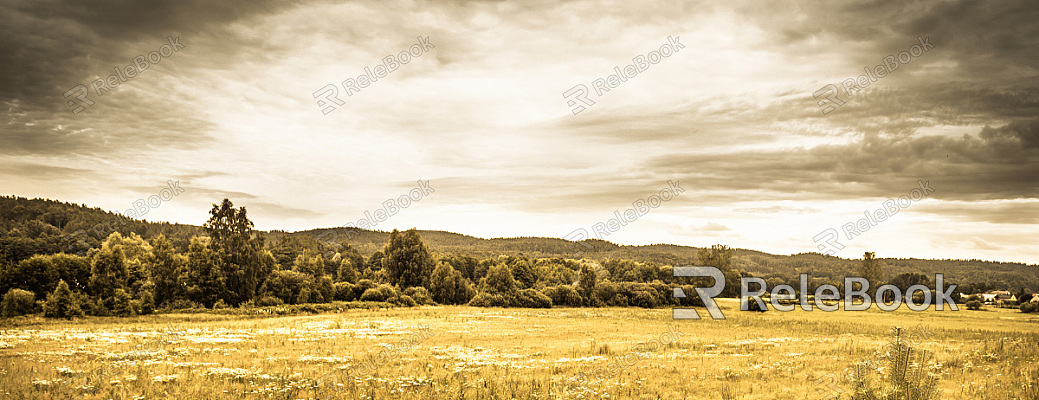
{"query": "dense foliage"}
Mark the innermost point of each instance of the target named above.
(67, 260)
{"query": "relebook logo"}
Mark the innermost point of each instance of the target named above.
(823, 293)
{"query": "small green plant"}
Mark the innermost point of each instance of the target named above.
(910, 373)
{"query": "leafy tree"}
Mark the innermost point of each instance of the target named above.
(347, 252)
(122, 304)
(524, 272)
(40, 273)
(872, 270)
(164, 266)
(109, 272)
(19, 302)
(238, 250)
(564, 296)
(447, 286)
(586, 282)
(407, 260)
(906, 280)
(313, 266)
(202, 279)
(374, 262)
(62, 303)
(499, 281)
(466, 265)
(347, 272)
(718, 256)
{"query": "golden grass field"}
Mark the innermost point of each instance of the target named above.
(477, 353)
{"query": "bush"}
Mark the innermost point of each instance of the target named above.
(269, 301)
(644, 299)
(489, 300)
(973, 305)
(91, 305)
(531, 298)
(62, 303)
(122, 304)
(402, 300)
(1029, 307)
(419, 294)
(18, 302)
(362, 286)
(373, 294)
(219, 305)
(147, 303)
(183, 304)
(343, 291)
(565, 296)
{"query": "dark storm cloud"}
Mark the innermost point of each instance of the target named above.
(49, 46)
(1001, 163)
(1000, 213)
(988, 37)
(110, 126)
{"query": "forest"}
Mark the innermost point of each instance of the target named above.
(68, 260)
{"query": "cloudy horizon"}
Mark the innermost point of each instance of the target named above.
(235, 110)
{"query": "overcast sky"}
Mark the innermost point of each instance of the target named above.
(481, 115)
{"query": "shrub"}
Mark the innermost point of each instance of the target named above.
(644, 299)
(373, 294)
(147, 302)
(531, 298)
(219, 305)
(973, 305)
(18, 302)
(62, 303)
(565, 296)
(362, 286)
(488, 300)
(122, 304)
(402, 300)
(447, 286)
(183, 304)
(419, 294)
(909, 373)
(269, 301)
(91, 305)
(1029, 307)
(343, 291)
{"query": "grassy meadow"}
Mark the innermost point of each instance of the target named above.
(488, 353)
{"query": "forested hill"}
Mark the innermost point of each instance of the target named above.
(38, 226)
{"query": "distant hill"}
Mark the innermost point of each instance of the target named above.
(39, 226)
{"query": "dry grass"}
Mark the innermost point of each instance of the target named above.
(504, 354)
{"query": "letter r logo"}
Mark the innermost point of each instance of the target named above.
(706, 295)
(579, 93)
(80, 92)
(330, 94)
(831, 93)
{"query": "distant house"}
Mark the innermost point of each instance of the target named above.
(999, 297)
(1035, 298)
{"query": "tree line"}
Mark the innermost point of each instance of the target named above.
(230, 264)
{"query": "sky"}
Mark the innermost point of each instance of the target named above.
(233, 108)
